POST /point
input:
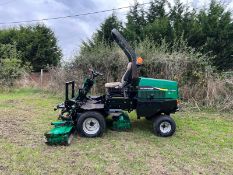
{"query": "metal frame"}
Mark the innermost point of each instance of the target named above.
(67, 89)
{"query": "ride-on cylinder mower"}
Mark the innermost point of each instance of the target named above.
(154, 99)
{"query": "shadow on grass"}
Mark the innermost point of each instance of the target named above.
(142, 125)
(138, 125)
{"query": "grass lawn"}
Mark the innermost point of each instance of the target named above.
(203, 143)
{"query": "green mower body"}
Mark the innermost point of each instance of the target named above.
(156, 96)
(150, 88)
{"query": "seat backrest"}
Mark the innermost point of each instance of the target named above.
(127, 77)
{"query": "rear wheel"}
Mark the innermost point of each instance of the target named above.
(91, 124)
(164, 126)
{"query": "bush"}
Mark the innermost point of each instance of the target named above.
(10, 65)
(180, 63)
(111, 61)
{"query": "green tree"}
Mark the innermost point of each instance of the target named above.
(103, 35)
(192, 31)
(10, 64)
(37, 44)
(156, 10)
(217, 34)
(176, 18)
(158, 27)
(159, 30)
(136, 23)
(9, 51)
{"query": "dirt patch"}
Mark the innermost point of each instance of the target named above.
(3, 168)
(12, 130)
(14, 127)
(12, 102)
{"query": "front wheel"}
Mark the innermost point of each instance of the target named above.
(164, 126)
(91, 124)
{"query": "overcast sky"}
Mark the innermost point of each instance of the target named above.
(70, 31)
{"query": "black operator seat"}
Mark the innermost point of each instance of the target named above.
(126, 78)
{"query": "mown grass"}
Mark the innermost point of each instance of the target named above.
(203, 143)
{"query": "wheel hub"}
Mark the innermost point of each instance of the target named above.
(165, 127)
(92, 123)
(91, 126)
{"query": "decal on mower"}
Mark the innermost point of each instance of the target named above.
(152, 88)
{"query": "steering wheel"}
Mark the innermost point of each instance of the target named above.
(95, 73)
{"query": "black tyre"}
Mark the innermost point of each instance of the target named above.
(164, 126)
(91, 124)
